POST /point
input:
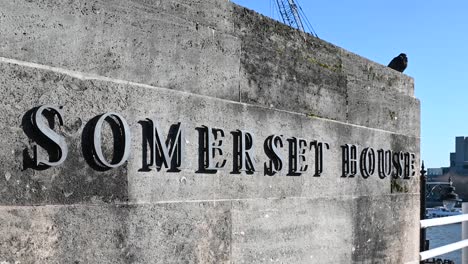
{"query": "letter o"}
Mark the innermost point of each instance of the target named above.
(125, 131)
(367, 163)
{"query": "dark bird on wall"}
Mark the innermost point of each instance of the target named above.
(399, 63)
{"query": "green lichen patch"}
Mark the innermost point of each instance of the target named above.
(397, 187)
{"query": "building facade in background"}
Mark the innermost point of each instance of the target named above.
(458, 171)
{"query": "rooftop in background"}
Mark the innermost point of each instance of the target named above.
(458, 160)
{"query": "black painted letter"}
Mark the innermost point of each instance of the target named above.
(55, 144)
(271, 147)
(349, 160)
(243, 152)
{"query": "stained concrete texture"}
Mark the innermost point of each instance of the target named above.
(212, 48)
(200, 63)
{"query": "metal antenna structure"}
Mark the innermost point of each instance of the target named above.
(291, 13)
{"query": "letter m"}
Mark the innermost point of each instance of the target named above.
(168, 152)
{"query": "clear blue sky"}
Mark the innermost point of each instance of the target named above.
(434, 35)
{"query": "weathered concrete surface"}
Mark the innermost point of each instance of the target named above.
(319, 79)
(117, 233)
(181, 45)
(77, 183)
(290, 230)
(211, 48)
(201, 63)
(28, 86)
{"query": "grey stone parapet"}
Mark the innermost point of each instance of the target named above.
(213, 48)
(204, 64)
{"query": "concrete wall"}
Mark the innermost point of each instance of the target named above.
(208, 63)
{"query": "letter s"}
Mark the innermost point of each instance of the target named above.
(271, 146)
(54, 144)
